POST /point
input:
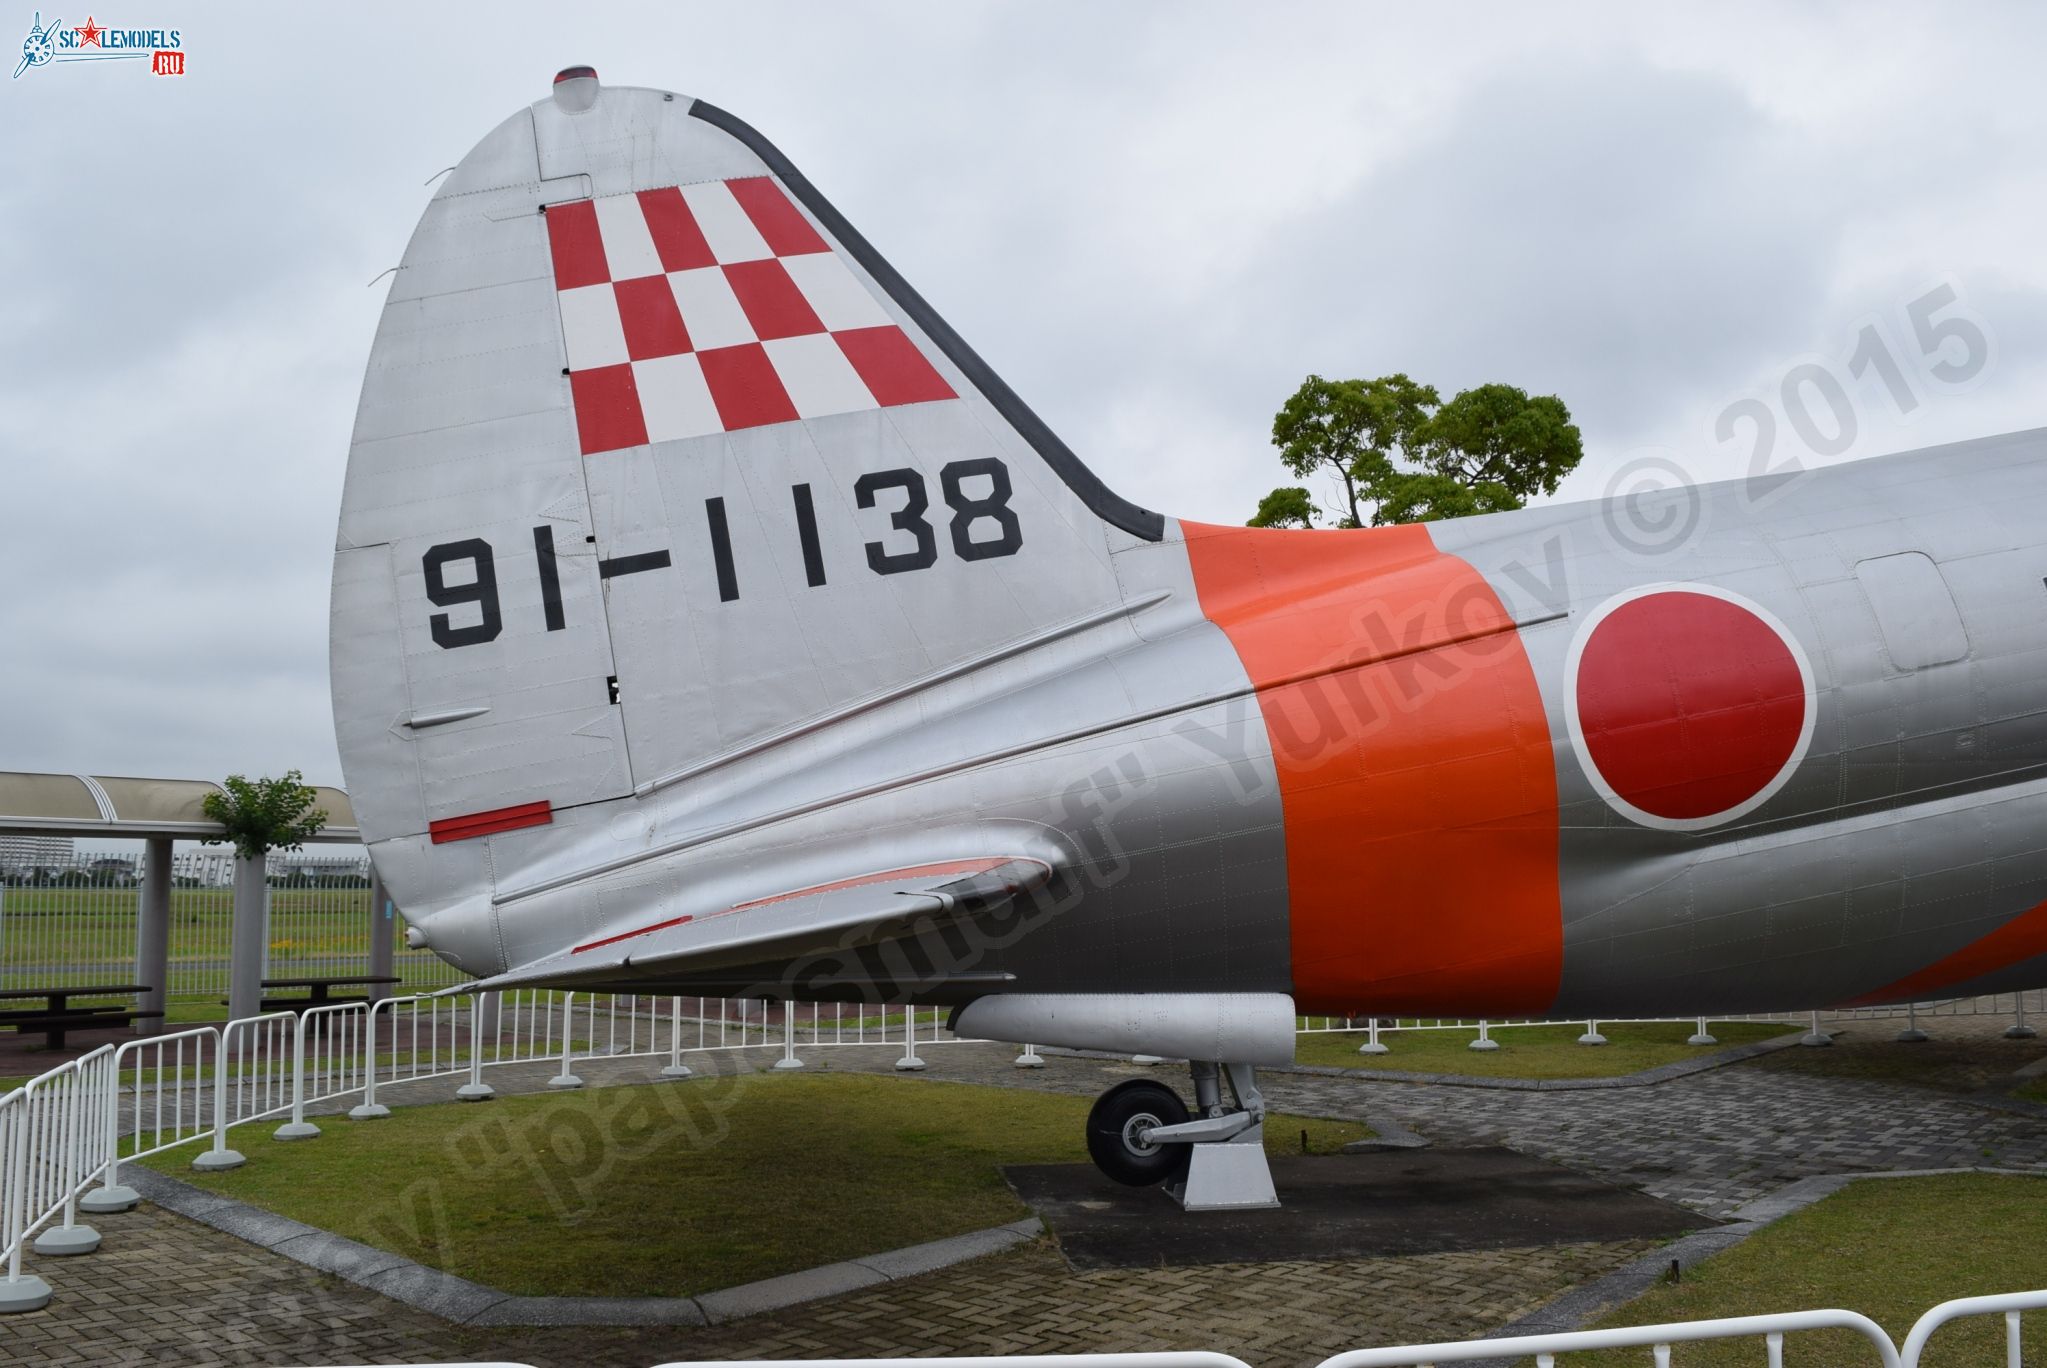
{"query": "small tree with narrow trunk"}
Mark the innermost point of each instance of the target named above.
(262, 815)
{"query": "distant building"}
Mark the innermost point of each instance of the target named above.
(204, 866)
(31, 852)
(117, 869)
(214, 867)
(326, 868)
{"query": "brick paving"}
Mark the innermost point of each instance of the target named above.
(170, 1291)
(164, 1290)
(1711, 1141)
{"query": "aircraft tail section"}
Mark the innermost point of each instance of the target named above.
(658, 461)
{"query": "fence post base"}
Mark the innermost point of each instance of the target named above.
(1911, 1035)
(909, 1064)
(1592, 1035)
(1147, 1060)
(110, 1201)
(1816, 1039)
(788, 1061)
(61, 1242)
(476, 1092)
(1030, 1058)
(677, 1071)
(565, 1079)
(2019, 1033)
(295, 1130)
(23, 1294)
(368, 1111)
(216, 1161)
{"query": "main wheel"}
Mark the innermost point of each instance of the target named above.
(1119, 1133)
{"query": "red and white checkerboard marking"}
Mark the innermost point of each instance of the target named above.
(707, 308)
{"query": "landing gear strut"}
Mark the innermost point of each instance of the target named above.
(1139, 1134)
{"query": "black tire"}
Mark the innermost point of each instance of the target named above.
(1116, 1129)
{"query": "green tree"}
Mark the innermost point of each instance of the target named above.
(262, 815)
(1290, 506)
(1399, 454)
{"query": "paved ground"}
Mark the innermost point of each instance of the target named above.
(164, 1290)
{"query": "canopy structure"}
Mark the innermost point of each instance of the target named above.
(106, 805)
(160, 812)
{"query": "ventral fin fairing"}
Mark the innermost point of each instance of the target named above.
(708, 617)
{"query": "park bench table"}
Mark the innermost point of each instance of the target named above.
(57, 1016)
(318, 991)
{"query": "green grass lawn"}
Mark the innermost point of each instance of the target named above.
(1951, 1064)
(1889, 1248)
(1529, 1051)
(675, 1189)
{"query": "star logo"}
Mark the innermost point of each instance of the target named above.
(89, 36)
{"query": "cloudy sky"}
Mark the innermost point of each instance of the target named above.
(1152, 218)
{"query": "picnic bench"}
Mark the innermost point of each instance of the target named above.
(319, 991)
(57, 1016)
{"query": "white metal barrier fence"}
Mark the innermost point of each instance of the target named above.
(2005, 1304)
(1373, 1031)
(1543, 1350)
(56, 1139)
(76, 1125)
(1657, 1339)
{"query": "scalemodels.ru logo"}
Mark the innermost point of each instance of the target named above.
(55, 43)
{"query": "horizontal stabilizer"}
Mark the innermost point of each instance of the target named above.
(814, 919)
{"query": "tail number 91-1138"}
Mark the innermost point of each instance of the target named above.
(982, 526)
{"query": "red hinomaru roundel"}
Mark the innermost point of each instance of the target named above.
(1689, 705)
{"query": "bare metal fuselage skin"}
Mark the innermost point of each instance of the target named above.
(1363, 769)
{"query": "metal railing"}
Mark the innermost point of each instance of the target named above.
(1543, 1350)
(2005, 1304)
(54, 1139)
(2022, 1008)
(76, 1124)
(171, 1098)
(1657, 1339)
(1374, 1030)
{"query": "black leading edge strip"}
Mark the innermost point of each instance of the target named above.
(1108, 505)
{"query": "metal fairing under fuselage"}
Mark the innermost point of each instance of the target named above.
(709, 618)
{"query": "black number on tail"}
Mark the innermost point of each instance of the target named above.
(967, 511)
(806, 535)
(909, 518)
(482, 591)
(550, 578)
(721, 550)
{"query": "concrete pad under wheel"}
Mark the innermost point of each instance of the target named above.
(1354, 1206)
